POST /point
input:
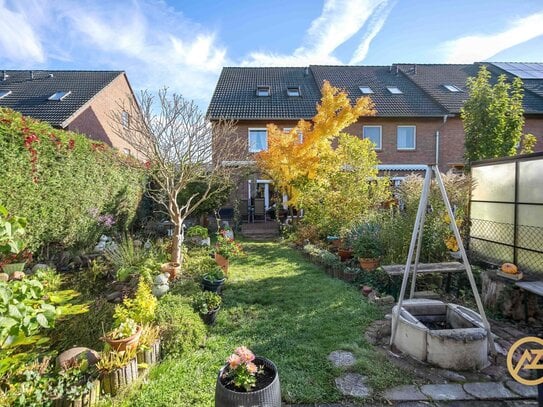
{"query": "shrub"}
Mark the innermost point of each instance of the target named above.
(71, 189)
(197, 231)
(141, 308)
(183, 328)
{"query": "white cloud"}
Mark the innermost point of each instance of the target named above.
(339, 21)
(480, 47)
(18, 41)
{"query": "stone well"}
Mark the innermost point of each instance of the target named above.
(446, 335)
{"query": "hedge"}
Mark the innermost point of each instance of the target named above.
(70, 188)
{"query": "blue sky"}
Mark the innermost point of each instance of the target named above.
(184, 44)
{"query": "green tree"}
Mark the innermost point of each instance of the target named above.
(493, 117)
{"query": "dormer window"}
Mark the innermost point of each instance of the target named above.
(4, 93)
(394, 90)
(262, 91)
(59, 95)
(293, 91)
(452, 88)
(366, 90)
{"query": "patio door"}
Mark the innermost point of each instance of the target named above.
(263, 190)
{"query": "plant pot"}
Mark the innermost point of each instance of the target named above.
(455, 255)
(368, 264)
(113, 381)
(126, 343)
(336, 243)
(149, 356)
(345, 254)
(171, 268)
(269, 395)
(210, 317)
(13, 267)
(349, 277)
(85, 400)
(214, 286)
(222, 262)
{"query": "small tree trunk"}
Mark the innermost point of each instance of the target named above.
(177, 241)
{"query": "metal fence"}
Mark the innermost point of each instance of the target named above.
(506, 211)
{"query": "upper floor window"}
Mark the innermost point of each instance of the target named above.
(262, 91)
(59, 95)
(452, 88)
(366, 90)
(373, 133)
(125, 119)
(300, 134)
(293, 91)
(4, 93)
(406, 137)
(258, 140)
(394, 90)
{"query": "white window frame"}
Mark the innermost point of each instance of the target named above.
(414, 138)
(287, 130)
(249, 138)
(366, 90)
(59, 95)
(380, 146)
(294, 91)
(452, 88)
(265, 88)
(394, 90)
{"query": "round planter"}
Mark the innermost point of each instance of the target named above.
(86, 400)
(214, 286)
(345, 254)
(368, 264)
(13, 267)
(269, 396)
(222, 262)
(171, 268)
(349, 277)
(210, 317)
(113, 381)
(126, 343)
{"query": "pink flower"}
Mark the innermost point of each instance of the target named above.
(234, 361)
(251, 368)
(245, 354)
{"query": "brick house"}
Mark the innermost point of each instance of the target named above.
(79, 101)
(417, 121)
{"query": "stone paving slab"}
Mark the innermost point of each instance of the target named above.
(404, 393)
(527, 392)
(445, 392)
(353, 384)
(341, 358)
(489, 391)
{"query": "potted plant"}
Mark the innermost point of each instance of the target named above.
(247, 380)
(452, 246)
(198, 235)
(171, 268)
(13, 257)
(77, 384)
(350, 273)
(214, 279)
(225, 248)
(366, 246)
(117, 369)
(124, 337)
(148, 350)
(207, 304)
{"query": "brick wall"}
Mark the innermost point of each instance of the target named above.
(534, 125)
(93, 119)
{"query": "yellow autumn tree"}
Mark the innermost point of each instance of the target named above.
(314, 174)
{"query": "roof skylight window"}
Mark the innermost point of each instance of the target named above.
(4, 93)
(366, 90)
(394, 90)
(293, 91)
(59, 95)
(452, 88)
(262, 91)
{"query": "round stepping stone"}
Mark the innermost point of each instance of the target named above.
(354, 385)
(341, 358)
(445, 392)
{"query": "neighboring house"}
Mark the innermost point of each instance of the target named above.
(79, 101)
(418, 108)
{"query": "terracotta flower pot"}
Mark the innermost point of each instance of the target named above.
(222, 262)
(126, 343)
(171, 268)
(345, 254)
(368, 264)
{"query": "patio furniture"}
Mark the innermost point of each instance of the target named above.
(260, 211)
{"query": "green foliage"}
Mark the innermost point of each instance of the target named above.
(74, 380)
(50, 279)
(365, 240)
(227, 247)
(12, 230)
(149, 335)
(124, 330)
(183, 328)
(140, 309)
(215, 274)
(493, 117)
(206, 301)
(197, 263)
(221, 191)
(197, 231)
(111, 360)
(28, 386)
(62, 182)
(379, 280)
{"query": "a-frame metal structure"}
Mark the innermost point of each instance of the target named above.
(416, 240)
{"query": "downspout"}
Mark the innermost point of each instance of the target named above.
(445, 117)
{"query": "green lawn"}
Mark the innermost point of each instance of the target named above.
(286, 309)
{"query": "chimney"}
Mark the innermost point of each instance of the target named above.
(306, 71)
(51, 75)
(5, 76)
(390, 69)
(31, 75)
(414, 69)
(397, 69)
